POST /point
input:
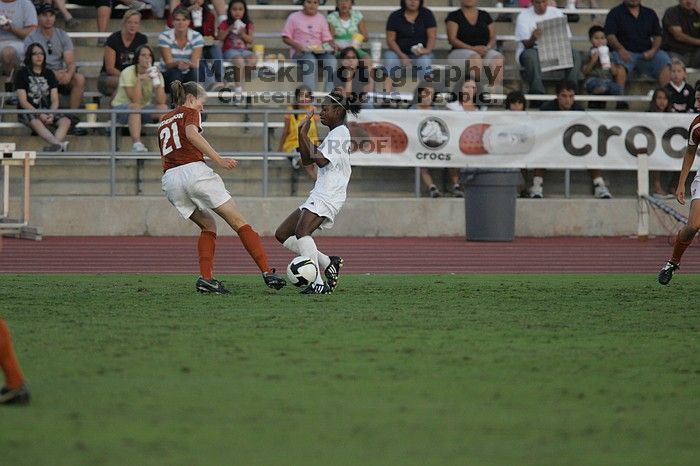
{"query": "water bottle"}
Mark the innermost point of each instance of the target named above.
(604, 54)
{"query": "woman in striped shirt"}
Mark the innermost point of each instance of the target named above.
(181, 49)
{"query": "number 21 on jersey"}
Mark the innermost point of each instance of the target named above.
(164, 137)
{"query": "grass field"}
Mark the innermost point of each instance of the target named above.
(391, 370)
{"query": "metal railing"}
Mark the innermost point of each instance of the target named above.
(114, 153)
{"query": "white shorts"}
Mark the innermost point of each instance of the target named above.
(695, 187)
(323, 209)
(194, 186)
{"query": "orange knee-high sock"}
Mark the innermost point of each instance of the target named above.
(252, 243)
(205, 248)
(8, 361)
(679, 248)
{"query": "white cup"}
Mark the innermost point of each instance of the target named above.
(155, 75)
(238, 26)
(376, 50)
(604, 54)
(197, 17)
(4, 20)
(416, 47)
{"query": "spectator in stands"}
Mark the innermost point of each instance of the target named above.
(424, 98)
(203, 20)
(104, 13)
(60, 5)
(140, 87)
(464, 96)
(472, 34)
(346, 26)
(515, 101)
(20, 20)
(680, 93)
(119, 52)
(600, 73)
(289, 139)
(681, 32)
(634, 34)
(60, 57)
(353, 77)
(660, 102)
(566, 101)
(309, 36)
(181, 49)
(37, 88)
(410, 35)
(236, 32)
(527, 34)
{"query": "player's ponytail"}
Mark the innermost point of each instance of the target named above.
(349, 104)
(181, 91)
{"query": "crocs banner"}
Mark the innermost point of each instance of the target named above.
(556, 140)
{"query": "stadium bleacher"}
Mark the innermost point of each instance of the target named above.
(58, 174)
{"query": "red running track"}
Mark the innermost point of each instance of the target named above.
(362, 255)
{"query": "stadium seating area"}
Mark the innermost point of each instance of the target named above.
(77, 172)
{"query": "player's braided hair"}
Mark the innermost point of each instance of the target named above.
(349, 105)
(180, 91)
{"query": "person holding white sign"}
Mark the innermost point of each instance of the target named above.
(688, 232)
(527, 33)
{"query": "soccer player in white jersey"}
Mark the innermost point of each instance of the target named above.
(688, 232)
(328, 196)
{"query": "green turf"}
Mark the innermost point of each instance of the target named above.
(395, 370)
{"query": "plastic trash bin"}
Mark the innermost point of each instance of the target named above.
(489, 203)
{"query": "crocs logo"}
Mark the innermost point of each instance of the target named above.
(433, 133)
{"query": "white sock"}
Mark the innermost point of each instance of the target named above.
(323, 260)
(599, 181)
(307, 247)
(537, 180)
(292, 244)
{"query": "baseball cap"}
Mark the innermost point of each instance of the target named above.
(45, 8)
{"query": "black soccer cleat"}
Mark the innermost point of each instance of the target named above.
(18, 396)
(213, 286)
(333, 271)
(274, 281)
(317, 288)
(666, 273)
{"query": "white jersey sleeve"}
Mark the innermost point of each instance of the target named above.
(336, 146)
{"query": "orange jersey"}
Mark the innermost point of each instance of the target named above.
(694, 132)
(175, 148)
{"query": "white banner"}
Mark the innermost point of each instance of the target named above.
(555, 140)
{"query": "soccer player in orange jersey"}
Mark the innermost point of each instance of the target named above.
(688, 232)
(14, 391)
(193, 188)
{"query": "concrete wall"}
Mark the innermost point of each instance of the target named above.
(145, 215)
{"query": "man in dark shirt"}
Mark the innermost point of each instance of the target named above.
(681, 32)
(566, 102)
(634, 35)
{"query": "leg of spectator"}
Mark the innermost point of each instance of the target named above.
(158, 8)
(392, 63)
(8, 61)
(461, 59)
(64, 125)
(426, 177)
(77, 89)
(43, 132)
(423, 64)
(215, 53)
(572, 74)
(306, 66)
(328, 65)
(495, 62)
(103, 15)
(238, 64)
(135, 123)
(530, 61)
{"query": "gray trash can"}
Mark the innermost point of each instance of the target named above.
(489, 203)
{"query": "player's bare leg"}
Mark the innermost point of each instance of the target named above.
(683, 240)
(14, 391)
(251, 241)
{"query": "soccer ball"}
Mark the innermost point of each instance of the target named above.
(302, 271)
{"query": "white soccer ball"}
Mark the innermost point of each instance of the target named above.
(302, 271)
